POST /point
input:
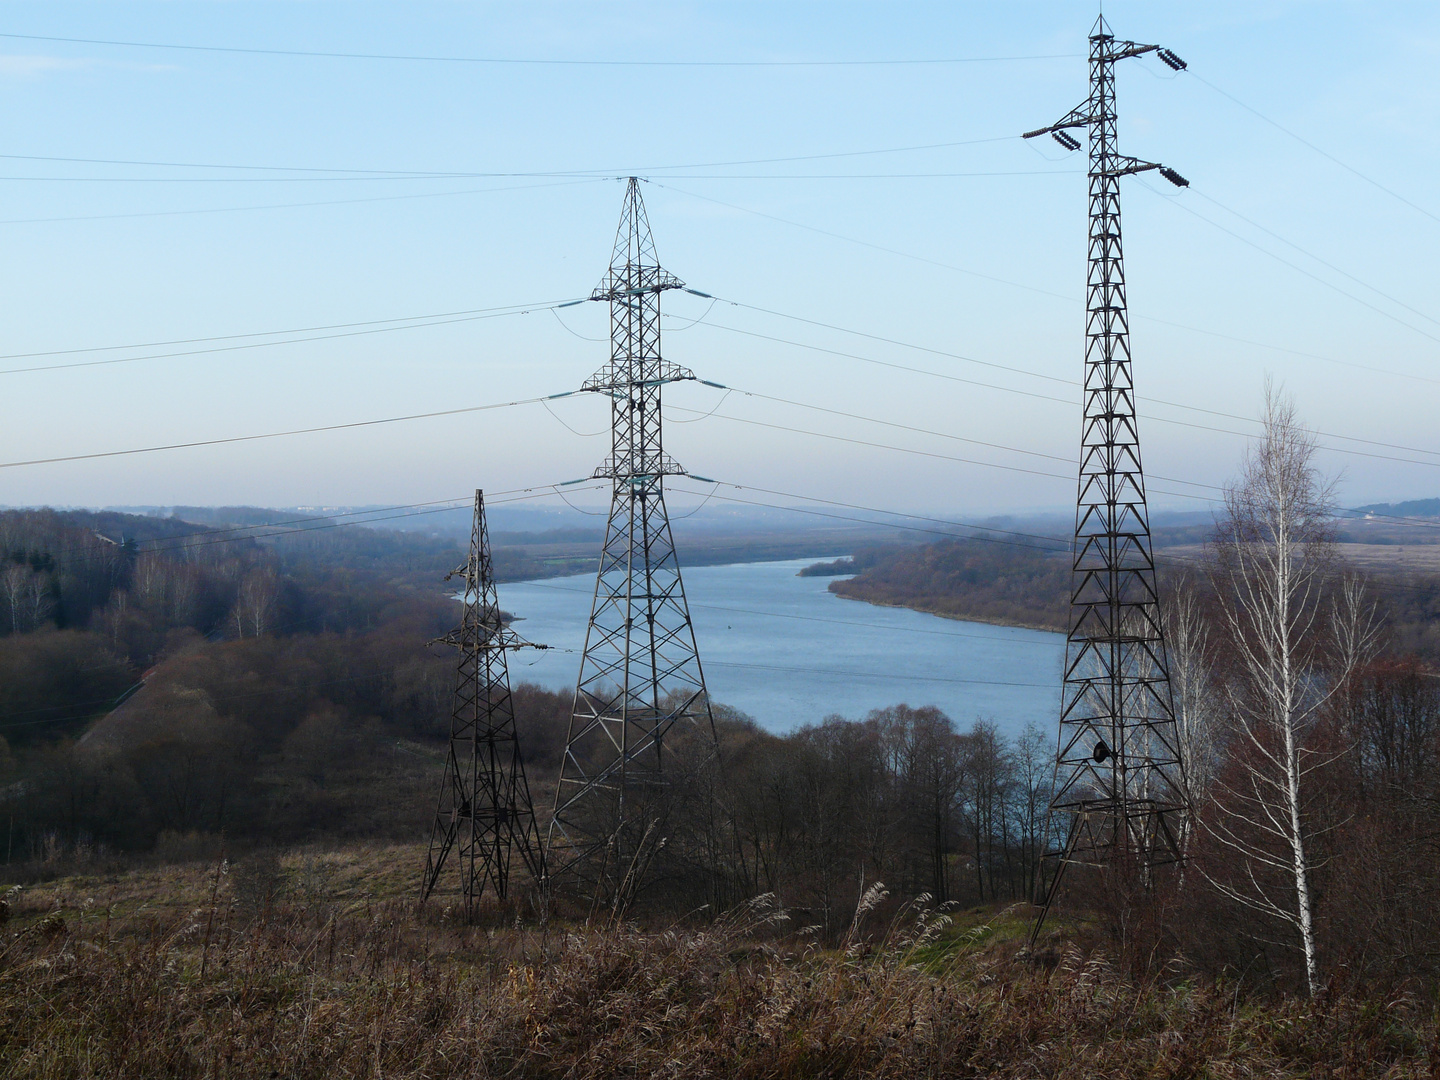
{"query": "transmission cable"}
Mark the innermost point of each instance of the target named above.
(442, 174)
(284, 434)
(539, 61)
(1023, 371)
(1053, 378)
(1310, 145)
(1068, 298)
(208, 537)
(932, 454)
(595, 174)
(1049, 378)
(1068, 401)
(295, 205)
(1310, 254)
(928, 431)
(1293, 266)
(997, 446)
(416, 322)
(1377, 579)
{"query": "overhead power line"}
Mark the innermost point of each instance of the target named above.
(1298, 269)
(1008, 367)
(1311, 255)
(284, 434)
(928, 431)
(1068, 401)
(295, 205)
(535, 61)
(417, 322)
(1069, 299)
(566, 174)
(414, 325)
(1050, 544)
(1068, 478)
(1323, 153)
(433, 174)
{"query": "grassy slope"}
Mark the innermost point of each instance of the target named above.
(194, 973)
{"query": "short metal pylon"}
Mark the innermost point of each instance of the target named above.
(484, 816)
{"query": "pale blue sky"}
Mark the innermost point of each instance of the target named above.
(1357, 80)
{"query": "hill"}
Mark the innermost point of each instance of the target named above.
(1421, 508)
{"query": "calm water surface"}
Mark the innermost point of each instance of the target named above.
(788, 652)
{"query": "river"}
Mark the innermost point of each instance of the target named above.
(788, 652)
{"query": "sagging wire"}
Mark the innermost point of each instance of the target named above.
(703, 503)
(567, 329)
(567, 427)
(705, 416)
(693, 322)
(587, 513)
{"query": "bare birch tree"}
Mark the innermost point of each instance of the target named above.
(1193, 686)
(1292, 644)
(255, 602)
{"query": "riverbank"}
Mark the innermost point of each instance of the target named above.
(923, 609)
(971, 580)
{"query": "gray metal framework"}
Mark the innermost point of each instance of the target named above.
(484, 815)
(640, 675)
(1119, 777)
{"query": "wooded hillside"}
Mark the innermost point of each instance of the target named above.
(985, 581)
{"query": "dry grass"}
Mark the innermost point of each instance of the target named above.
(1380, 558)
(327, 986)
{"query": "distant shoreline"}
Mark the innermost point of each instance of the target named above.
(952, 618)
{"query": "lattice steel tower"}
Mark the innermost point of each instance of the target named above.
(1119, 777)
(485, 815)
(640, 676)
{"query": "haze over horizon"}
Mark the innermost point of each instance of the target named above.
(325, 204)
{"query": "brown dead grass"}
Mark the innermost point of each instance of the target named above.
(331, 986)
(1414, 558)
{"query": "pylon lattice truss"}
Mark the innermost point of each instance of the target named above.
(1120, 780)
(640, 676)
(484, 815)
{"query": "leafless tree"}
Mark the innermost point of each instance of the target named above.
(255, 603)
(1292, 645)
(1193, 687)
(27, 597)
(1034, 763)
(13, 581)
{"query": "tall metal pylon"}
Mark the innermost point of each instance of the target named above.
(640, 676)
(1119, 777)
(484, 815)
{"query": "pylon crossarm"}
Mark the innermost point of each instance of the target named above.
(1077, 117)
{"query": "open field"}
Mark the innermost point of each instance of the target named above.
(1383, 558)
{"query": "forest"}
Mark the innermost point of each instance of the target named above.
(180, 689)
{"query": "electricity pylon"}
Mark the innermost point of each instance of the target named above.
(640, 676)
(485, 814)
(1119, 777)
